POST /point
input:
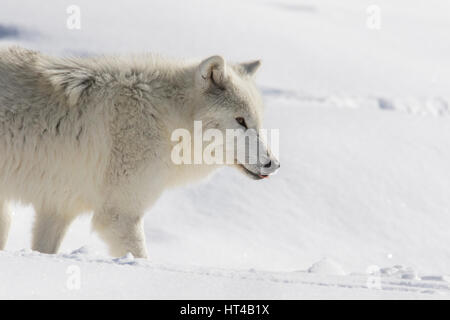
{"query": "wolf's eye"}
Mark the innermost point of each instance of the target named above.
(241, 121)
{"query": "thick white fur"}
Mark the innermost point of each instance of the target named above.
(93, 134)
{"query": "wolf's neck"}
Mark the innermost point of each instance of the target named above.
(176, 93)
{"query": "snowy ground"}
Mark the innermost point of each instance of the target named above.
(364, 118)
(79, 275)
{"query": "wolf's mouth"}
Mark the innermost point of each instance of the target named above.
(252, 174)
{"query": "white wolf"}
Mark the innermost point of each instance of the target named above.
(94, 134)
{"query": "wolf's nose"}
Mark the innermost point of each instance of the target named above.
(268, 164)
(276, 164)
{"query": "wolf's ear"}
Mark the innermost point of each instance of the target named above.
(211, 71)
(250, 67)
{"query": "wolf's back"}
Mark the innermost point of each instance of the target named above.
(18, 75)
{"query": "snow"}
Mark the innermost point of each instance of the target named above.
(54, 276)
(360, 206)
(327, 266)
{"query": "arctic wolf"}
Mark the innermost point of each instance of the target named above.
(94, 134)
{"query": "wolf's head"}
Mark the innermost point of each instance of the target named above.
(227, 98)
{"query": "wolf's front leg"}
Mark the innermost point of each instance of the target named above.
(49, 229)
(5, 223)
(122, 231)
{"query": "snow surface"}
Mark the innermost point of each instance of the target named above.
(360, 207)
